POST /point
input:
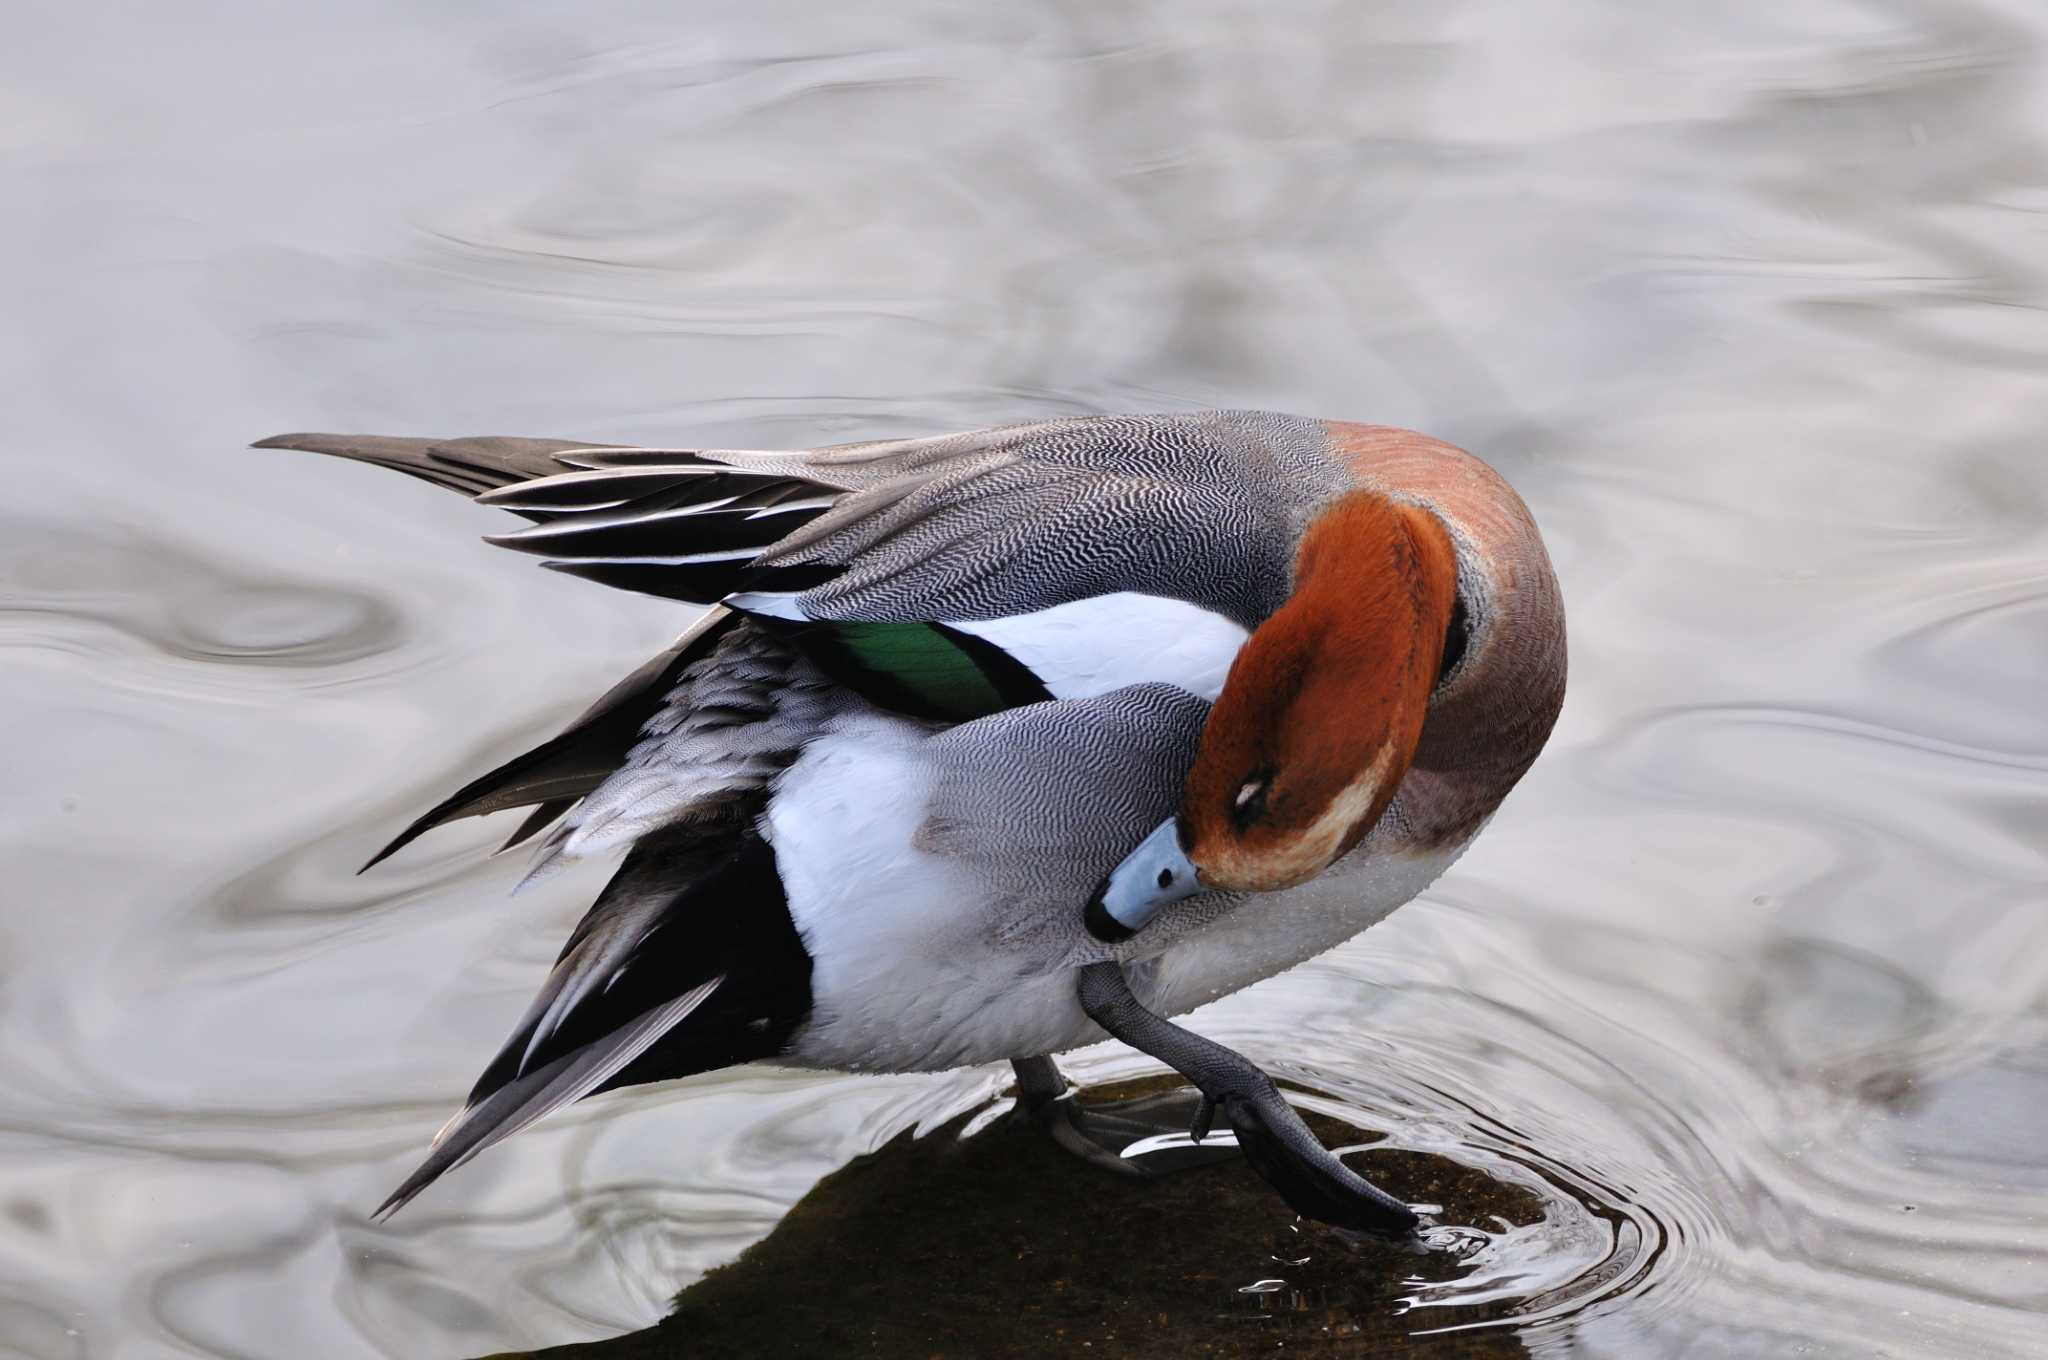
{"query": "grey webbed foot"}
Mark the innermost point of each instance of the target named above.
(1281, 1149)
(1269, 1131)
(1151, 1135)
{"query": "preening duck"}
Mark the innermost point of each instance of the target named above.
(991, 743)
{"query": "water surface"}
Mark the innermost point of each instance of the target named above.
(1747, 979)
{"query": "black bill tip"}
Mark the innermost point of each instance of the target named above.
(1100, 923)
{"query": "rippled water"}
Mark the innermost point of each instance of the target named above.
(1747, 980)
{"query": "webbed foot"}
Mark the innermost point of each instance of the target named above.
(1269, 1131)
(1152, 1135)
(1308, 1175)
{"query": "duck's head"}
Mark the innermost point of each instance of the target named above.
(1316, 725)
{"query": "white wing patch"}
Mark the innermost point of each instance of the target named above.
(1103, 643)
(1088, 647)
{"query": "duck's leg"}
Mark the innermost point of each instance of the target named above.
(1043, 1095)
(1147, 1136)
(1270, 1133)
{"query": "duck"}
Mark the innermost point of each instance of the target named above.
(985, 746)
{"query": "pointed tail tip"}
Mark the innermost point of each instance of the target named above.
(403, 1195)
(292, 441)
(423, 1176)
(399, 1198)
(400, 841)
(375, 860)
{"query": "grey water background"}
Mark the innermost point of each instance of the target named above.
(1750, 977)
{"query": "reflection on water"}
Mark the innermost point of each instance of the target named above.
(1746, 983)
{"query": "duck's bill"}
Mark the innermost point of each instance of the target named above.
(1151, 876)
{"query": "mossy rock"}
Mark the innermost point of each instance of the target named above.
(999, 1245)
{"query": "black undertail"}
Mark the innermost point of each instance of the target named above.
(692, 909)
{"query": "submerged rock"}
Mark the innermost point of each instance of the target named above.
(1003, 1245)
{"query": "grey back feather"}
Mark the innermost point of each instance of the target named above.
(1201, 507)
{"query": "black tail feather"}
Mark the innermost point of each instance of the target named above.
(470, 466)
(687, 962)
(540, 819)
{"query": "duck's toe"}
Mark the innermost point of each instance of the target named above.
(1150, 1135)
(1312, 1180)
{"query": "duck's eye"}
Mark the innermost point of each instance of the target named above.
(1455, 637)
(1250, 802)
